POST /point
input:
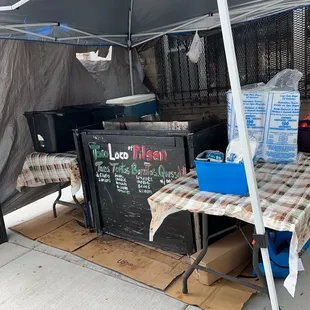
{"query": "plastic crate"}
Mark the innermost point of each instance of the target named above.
(224, 178)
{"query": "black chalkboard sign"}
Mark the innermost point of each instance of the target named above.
(122, 168)
(127, 171)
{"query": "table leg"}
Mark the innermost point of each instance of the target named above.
(69, 204)
(259, 243)
(3, 235)
(84, 211)
(201, 255)
(57, 200)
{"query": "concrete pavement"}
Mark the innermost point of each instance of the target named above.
(36, 276)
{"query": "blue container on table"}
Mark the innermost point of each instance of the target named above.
(223, 178)
(136, 105)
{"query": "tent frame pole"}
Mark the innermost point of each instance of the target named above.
(160, 34)
(31, 33)
(176, 29)
(15, 27)
(245, 142)
(242, 14)
(29, 25)
(14, 6)
(130, 48)
(89, 35)
(95, 36)
(131, 72)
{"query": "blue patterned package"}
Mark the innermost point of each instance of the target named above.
(272, 115)
(211, 156)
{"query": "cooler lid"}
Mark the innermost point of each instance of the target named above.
(132, 100)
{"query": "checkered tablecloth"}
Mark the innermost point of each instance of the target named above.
(43, 168)
(284, 191)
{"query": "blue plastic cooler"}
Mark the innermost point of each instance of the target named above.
(137, 105)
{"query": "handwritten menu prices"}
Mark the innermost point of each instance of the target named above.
(144, 184)
(121, 184)
(102, 172)
(134, 168)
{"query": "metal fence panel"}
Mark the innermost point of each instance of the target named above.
(263, 48)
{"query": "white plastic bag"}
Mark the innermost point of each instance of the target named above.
(234, 152)
(286, 79)
(195, 49)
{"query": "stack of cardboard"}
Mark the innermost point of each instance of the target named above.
(225, 255)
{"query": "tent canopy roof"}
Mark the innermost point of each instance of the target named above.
(102, 22)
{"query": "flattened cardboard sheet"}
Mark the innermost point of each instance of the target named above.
(140, 263)
(68, 237)
(45, 223)
(221, 295)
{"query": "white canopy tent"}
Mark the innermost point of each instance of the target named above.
(126, 23)
(135, 22)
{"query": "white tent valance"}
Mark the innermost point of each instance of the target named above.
(125, 22)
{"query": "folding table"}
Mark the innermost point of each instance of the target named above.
(284, 193)
(45, 168)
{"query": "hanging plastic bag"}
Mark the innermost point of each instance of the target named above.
(195, 49)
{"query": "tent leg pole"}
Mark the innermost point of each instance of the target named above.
(131, 72)
(244, 140)
(129, 43)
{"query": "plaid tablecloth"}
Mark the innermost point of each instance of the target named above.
(284, 192)
(43, 168)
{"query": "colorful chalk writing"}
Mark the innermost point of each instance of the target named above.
(121, 184)
(140, 152)
(116, 155)
(103, 177)
(102, 168)
(143, 168)
(102, 172)
(133, 169)
(97, 153)
(120, 168)
(136, 152)
(144, 184)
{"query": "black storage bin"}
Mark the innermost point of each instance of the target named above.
(304, 137)
(119, 179)
(51, 131)
(100, 111)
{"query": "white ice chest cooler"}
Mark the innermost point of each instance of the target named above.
(136, 105)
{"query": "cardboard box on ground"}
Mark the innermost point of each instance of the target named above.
(225, 255)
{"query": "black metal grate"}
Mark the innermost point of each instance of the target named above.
(263, 48)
